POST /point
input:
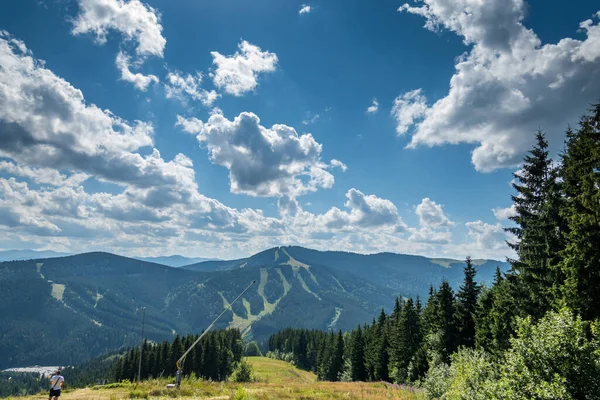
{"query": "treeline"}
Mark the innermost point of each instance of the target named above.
(534, 334)
(214, 357)
(21, 384)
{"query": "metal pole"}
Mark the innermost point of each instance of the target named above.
(141, 346)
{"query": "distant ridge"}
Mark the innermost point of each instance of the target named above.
(26, 254)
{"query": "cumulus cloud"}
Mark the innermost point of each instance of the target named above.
(430, 236)
(504, 213)
(140, 81)
(408, 108)
(262, 161)
(46, 123)
(134, 20)
(432, 215)
(238, 74)
(179, 86)
(507, 85)
(374, 107)
(486, 236)
(304, 9)
(363, 212)
(44, 176)
(339, 164)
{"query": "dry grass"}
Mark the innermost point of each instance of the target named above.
(276, 380)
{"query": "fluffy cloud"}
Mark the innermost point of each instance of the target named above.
(339, 164)
(504, 213)
(374, 107)
(432, 215)
(44, 176)
(140, 81)
(408, 108)
(262, 161)
(134, 20)
(179, 86)
(506, 86)
(45, 123)
(304, 9)
(486, 236)
(238, 74)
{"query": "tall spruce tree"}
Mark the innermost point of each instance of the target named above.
(445, 320)
(358, 370)
(537, 231)
(466, 306)
(581, 256)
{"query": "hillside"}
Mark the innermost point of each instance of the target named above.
(66, 310)
(405, 274)
(275, 380)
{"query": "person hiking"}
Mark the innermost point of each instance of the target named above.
(56, 383)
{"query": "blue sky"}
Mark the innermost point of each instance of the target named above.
(248, 103)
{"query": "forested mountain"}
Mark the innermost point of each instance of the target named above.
(405, 274)
(174, 260)
(68, 309)
(12, 255)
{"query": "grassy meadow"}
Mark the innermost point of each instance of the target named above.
(274, 380)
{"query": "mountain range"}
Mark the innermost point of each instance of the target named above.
(171, 261)
(65, 310)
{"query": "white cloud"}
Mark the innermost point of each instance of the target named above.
(432, 215)
(430, 236)
(140, 81)
(486, 236)
(508, 84)
(45, 123)
(262, 161)
(374, 107)
(238, 74)
(47, 176)
(304, 9)
(311, 119)
(134, 20)
(504, 213)
(408, 108)
(339, 164)
(179, 85)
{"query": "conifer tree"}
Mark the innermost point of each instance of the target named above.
(581, 257)
(445, 320)
(358, 370)
(466, 306)
(538, 231)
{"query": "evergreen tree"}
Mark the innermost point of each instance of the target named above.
(581, 175)
(358, 370)
(466, 306)
(538, 232)
(445, 321)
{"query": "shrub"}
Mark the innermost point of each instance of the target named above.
(557, 358)
(138, 394)
(241, 394)
(243, 372)
(437, 381)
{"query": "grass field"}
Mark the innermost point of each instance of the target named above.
(275, 380)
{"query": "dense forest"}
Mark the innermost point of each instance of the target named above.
(214, 357)
(534, 334)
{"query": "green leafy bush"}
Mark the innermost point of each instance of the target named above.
(243, 372)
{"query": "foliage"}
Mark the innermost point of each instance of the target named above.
(252, 350)
(243, 372)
